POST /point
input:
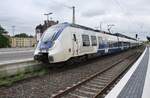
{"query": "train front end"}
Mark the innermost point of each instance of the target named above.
(47, 46)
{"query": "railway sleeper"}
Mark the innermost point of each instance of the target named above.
(107, 74)
(88, 94)
(98, 83)
(101, 81)
(83, 94)
(88, 89)
(91, 88)
(72, 95)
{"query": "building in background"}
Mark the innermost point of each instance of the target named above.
(22, 42)
(41, 28)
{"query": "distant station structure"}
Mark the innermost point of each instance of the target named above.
(22, 42)
(43, 27)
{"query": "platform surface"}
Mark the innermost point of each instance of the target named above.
(12, 55)
(136, 82)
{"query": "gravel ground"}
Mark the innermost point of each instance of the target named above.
(59, 78)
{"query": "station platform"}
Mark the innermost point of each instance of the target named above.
(136, 82)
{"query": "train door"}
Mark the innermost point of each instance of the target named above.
(75, 44)
(106, 42)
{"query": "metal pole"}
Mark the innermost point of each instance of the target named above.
(13, 30)
(73, 17)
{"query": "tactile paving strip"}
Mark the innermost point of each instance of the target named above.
(134, 87)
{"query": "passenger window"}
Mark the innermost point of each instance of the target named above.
(94, 40)
(86, 41)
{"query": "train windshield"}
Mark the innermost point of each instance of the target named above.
(47, 36)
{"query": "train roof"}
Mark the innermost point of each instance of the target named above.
(99, 31)
(88, 28)
(121, 35)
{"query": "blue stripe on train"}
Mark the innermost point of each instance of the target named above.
(101, 51)
(48, 44)
(56, 35)
(102, 46)
(113, 50)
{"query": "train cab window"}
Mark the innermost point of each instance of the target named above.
(94, 40)
(86, 41)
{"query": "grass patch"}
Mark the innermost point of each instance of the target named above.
(8, 81)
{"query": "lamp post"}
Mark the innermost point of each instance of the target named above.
(47, 15)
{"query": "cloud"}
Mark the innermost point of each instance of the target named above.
(92, 13)
(128, 16)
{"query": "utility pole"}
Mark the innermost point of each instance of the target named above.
(73, 13)
(73, 16)
(13, 30)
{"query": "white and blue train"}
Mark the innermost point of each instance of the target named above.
(68, 42)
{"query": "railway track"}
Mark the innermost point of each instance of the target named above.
(96, 86)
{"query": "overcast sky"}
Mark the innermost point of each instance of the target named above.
(128, 16)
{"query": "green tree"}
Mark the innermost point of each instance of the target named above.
(4, 41)
(2, 30)
(23, 35)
